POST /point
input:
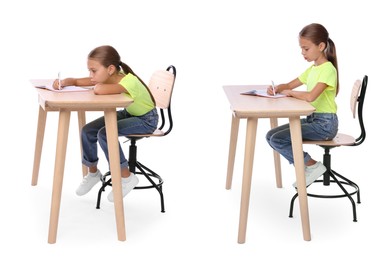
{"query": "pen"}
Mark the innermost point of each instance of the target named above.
(273, 88)
(59, 81)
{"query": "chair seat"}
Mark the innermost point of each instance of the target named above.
(157, 132)
(340, 139)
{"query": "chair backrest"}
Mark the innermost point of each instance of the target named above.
(356, 105)
(161, 86)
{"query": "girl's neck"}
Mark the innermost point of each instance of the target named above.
(322, 59)
(115, 78)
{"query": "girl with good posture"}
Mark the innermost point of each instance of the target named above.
(321, 79)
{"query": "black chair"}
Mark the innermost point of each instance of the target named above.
(348, 188)
(161, 86)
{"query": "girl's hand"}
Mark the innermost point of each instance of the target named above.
(287, 92)
(64, 82)
(56, 84)
(270, 90)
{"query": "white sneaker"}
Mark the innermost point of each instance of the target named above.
(88, 182)
(127, 186)
(312, 173)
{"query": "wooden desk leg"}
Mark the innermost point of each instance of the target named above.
(251, 132)
(62, 140)
(297, 147)
(276, 155)
(232, 150)
(38, 144)
(115, 169)
(81, 115)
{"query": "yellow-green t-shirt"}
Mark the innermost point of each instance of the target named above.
(327, 74)
(142, 101)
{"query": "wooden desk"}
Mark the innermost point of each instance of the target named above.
(64, 103)
(252, 108)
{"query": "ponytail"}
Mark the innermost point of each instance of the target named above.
(126, 69)
(331, 55)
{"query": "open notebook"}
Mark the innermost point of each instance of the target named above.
(48, 84)
(262, 93)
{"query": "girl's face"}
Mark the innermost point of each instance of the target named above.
(98, 73)
(311, 51)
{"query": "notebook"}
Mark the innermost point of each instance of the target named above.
(262, 93)
(48, 84)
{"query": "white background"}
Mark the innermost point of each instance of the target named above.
(211, 43)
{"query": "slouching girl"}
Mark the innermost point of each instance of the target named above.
(109, 75)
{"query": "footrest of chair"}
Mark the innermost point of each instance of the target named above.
(354, 189)
(342, 183)
(154, 179)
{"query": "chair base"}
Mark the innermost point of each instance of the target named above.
(342, 182)
(153, 178)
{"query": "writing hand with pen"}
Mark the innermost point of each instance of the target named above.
(272, 89)
(281, 88)
(60, 83)
(57, 84)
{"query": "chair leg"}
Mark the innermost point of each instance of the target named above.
(136, 168)
(344, 181)
(326, 182)
(292, 204)
(102, 188)
(148, 173)
(351, 183)
(347, 194)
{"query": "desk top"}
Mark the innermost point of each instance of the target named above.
(81, 100)
(244, 106)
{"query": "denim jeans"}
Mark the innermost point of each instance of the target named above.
(95, 131)
(317, 126)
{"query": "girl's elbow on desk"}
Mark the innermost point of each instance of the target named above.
(97, 91)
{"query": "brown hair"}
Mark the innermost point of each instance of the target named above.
(317, 34)
(107, 55)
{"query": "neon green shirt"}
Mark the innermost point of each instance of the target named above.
(325, 73)
(142, 101)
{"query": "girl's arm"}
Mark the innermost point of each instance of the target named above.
(107, 89)
(283, 87)
(305, 95)
(82, 82)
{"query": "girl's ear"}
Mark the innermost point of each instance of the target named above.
(111, 69)
(322, 46)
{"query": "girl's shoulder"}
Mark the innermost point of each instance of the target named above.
(129, 78)
(130, 81)
(327, 64)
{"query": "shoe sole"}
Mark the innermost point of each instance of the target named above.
(82, 194)
(312, 180)
(111, 197)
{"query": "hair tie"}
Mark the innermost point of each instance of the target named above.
(120, 63)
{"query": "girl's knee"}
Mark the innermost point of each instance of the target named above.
(102, 134)
(268, 136)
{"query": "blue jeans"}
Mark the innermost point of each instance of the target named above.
(317, 126)
(95, 131)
